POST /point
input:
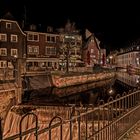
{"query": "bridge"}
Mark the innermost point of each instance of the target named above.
(111, 120)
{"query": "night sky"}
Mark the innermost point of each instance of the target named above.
(115, 24)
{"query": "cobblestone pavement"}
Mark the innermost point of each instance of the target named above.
(133, 134)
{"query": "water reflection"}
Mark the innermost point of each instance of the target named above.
(128, 79)
(81, 94)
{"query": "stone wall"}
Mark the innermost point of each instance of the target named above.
(59, 81)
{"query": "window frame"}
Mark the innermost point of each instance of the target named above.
(34, 49)
(31, 37)
(5, 37)
(8, 25)
(4, 64)
(51, 50)
(1, 51)
(16, 50)
(14, 38)
(50, 38)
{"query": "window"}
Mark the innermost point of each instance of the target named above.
(8, 25)
(14, 52)
(14, 38)
(49, 64)
(3, 64)
(3, 37)
(29, 49)
(3, 51)
(36, 64)
(48, 39)
(51, 39)
(72, 43)
(50, 50)
(78, 43)
(92, 40)
(33, 37)
(33, 49)
(92, 50)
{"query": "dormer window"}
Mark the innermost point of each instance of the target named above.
(8, 25)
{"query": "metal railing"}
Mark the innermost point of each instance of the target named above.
(108, 121)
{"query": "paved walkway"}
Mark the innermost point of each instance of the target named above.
(134, 134)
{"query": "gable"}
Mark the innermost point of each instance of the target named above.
(92, 41)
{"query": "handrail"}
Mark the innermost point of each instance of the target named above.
(110, 120)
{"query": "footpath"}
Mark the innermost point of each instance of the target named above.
(134, 134)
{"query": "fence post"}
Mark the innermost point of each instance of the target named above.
(1, 128)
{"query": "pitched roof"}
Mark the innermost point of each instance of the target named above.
(87, 33)
(87, 40)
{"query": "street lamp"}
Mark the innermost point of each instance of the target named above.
(111, 59)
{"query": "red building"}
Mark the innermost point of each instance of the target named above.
(91, 50)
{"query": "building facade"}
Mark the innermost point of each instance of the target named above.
(42, 51)
(129, 56)
(70, 48)
(91, 51)
(12, 49)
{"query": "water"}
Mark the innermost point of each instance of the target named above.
(82, 94)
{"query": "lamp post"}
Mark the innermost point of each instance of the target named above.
(17, 75)
(111, 59)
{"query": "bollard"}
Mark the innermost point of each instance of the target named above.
(1, 128)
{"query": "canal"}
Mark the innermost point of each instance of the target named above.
(82, 94)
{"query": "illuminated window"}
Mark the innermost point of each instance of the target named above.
(92, 50)
(50, 50)
(33, 49)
